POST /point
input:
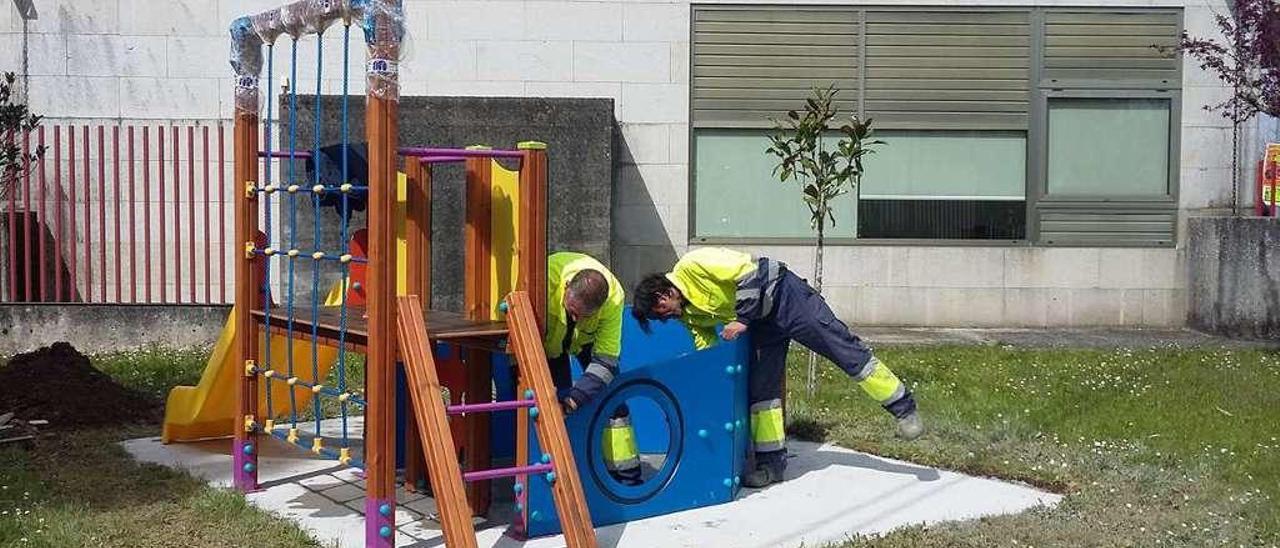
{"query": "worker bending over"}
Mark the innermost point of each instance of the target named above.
(584, 318)
(713, 286)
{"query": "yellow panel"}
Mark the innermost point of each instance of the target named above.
(208, 409)
(505, 219)
(402, 243)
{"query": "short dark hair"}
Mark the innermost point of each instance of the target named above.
(589, 288)
(646, 296)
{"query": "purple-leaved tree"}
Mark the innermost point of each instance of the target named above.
(1248, 60)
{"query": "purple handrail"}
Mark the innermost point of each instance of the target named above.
(442, 159)
(488, 406)
(481, 475)
(468, 152)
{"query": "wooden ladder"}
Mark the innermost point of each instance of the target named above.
(425, 394)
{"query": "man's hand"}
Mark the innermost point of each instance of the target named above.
(569, 406)
(732, 330)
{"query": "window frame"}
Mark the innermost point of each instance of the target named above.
(1040, 90)
(1041, 154)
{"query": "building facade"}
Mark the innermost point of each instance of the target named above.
(1041, 157)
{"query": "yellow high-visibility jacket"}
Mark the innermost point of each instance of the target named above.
(603, 329)
(709, 277)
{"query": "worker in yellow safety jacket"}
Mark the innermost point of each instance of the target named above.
(710, 287)
(584, 318)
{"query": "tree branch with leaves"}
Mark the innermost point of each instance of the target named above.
(16, 120)
(1248, 61)
(821, 152)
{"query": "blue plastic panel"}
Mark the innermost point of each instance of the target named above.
(695, 408)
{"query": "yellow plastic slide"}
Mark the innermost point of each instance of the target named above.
(208, 409)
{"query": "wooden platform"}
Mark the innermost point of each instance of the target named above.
(442, 326)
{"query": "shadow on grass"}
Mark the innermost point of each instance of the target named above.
(809, 429)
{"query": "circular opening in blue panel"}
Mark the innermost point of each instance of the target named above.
(658, 426)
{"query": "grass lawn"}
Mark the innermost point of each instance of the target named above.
(82, 489)
(1154, 447)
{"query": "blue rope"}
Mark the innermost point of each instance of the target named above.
(293, 220)
(327, 453)
(327, 256)
(346, 212)
(325, 189)
(266, 274)
(315, 271)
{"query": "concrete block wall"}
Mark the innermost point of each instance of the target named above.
(1233, 276)
(998, 286)
(119, 58)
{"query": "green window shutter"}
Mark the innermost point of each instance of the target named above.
(1102, 224)
(753, 63)
(952, 69)
(1112, 47)
(1119, 186)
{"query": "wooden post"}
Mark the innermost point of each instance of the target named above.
(478, 306)
(424, 386)
(418, 263)
(526, 342)
(479, 214)
(531, 239)
(381, 132)
(531, 276)
(245, 447)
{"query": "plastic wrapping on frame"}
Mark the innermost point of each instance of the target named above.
(381, 20)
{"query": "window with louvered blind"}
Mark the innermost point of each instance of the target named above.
(1111, 48)
(976, 104)
(967, 70)
(753, 64)
(1110, 103)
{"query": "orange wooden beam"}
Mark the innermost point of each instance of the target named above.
(433, 425)
(526, 340)
(418, 261)
(381, 131)
(247, 296)
(478, 306)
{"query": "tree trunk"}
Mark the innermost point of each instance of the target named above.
(1235, 168)
(811, 374)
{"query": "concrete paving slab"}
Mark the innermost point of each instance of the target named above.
(830, 494)
(344, 493)
(320, 482)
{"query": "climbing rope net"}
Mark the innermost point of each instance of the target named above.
(292, 185)
(286, 187)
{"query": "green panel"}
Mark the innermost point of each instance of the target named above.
(1111, 46)
(1112, 17)
(772, 14)
(947, 164)
(1115, 222)
(1108, 147)
(726, 82)
(736, 194)
(938, 121)
(947, 16)
(746, 59)
(778, 28)
(948, 29)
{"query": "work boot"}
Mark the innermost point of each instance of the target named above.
(764, 474)
(910, 427)
(630, 477)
